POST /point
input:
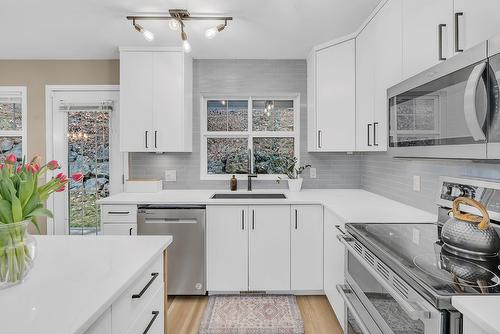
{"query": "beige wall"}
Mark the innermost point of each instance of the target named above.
(36, 74)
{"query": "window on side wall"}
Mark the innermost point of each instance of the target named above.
(12, 122)
(253, 133)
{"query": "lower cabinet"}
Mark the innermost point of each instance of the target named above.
(259, 248)
(334, 259)
(307, 248)
(227, 248)
(119, 229)
(269, 248)
(139, 309)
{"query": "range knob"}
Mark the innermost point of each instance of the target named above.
(457, 192)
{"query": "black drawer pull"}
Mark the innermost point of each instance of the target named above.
(118, 212)
(155, 315)
(153, 277)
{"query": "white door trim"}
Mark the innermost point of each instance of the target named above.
(50, 90)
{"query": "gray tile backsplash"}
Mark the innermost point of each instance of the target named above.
(393, 178)
(248, 77)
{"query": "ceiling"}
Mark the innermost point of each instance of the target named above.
(93, 29)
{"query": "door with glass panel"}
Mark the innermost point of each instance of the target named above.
(12, 122)
(85, 139)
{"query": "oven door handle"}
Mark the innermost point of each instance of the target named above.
(342, 291)
(411, 310)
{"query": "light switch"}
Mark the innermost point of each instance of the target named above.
(416, 183)
(171, 175)
(312, 173)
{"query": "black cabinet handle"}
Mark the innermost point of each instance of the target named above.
(457, 32)
(319, 138)
(155, 315)
(156, 132)
(253, 220)
(243, 219)
(118, 212)
(440, 41)
(153, 277)
(375, 134)
(146, 136)
(368, 133)
(130, 231)
(296, 219)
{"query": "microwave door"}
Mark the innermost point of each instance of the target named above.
(443, 118)
(493, 146)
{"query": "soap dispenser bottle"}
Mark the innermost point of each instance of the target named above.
(233, 183)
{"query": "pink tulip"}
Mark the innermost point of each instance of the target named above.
(77, 177)
(11, 159)
(1, 166)
(61, 189)
(62, 178)
(53, 164)
(35, 168)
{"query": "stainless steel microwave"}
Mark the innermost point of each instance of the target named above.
(450, 110)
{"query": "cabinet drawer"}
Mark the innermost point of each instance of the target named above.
(131, 303)
(119, 213)
(151, 318)
(119, 229)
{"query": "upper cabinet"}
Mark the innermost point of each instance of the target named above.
(155, 100)
(427, 34)
(378, 67)
(475, 22)
(331, 98)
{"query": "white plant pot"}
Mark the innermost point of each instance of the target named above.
(295, 184)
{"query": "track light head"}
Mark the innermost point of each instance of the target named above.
(185, 43)
(174, 24)
(211, 32)
(148, 35)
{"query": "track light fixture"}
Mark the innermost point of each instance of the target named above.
(148, 35)
(176, 19)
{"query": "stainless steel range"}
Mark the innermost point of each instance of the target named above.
(400, 279)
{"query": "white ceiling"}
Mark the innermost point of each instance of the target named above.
(93, 29)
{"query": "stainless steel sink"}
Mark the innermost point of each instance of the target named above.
(247, 195)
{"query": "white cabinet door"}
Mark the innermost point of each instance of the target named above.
(334, 259)
(119, 229)
(307, 248)
(365, 85)
(102, 325)
(477, 22)
(227, 248)
(269, 248)
(388, 67)
(335, 98)
(136, 101)
(169, 115)
(421, 31)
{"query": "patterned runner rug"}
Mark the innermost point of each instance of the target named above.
(255, 314)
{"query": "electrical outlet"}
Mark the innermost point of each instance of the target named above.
(312, 173)
(416, 183)
(171, 175)
(416, 236)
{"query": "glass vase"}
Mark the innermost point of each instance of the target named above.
(17, 253)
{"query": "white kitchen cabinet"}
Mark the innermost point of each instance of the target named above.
(378, 67)
(424, 21)
(334, 259)
(101, 325)
(155, 100)
(307, 248)
(227, 248)
(331, 105)
(477, 22)
(365, 88)
(119, 229)
(269, 248)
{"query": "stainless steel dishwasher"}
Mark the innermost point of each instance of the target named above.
(186, 254)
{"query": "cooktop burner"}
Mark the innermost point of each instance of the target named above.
(415, 251)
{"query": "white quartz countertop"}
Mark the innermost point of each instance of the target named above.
(481, 310)
(351, 205)
(75, 279)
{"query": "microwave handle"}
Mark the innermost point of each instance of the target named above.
(341, 289)
(413, 313)
(470, 112)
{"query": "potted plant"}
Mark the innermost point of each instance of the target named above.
(21, 203)
(293, 174)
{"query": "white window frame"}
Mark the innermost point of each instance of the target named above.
(250, 134)
(18, 90)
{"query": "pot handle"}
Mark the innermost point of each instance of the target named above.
(483, 221)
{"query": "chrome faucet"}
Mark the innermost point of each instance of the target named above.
(250, 175)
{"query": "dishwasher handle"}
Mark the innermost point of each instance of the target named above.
(170, 221)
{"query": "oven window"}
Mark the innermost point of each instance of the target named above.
(382, 307)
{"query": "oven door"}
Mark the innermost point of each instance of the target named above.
(392, 304)
(443, 111)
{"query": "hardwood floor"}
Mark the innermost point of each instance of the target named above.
(184, 315)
